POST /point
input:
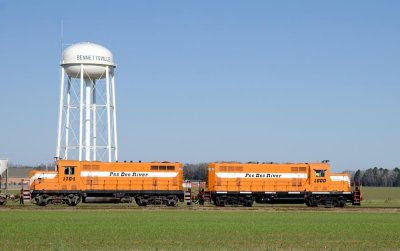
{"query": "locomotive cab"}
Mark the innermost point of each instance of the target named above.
(68, 173)
(326, 188)
(56, 187)
(319, 178)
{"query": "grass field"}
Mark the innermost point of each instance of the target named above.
(262, 227)
(198, 230)
(381, 196)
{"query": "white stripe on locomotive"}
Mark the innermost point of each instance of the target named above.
(130, 174)
(263, 175)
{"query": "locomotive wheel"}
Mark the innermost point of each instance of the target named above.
(141, 202)
(172, 201)
(73, 200)
(220, 202)
(311, 202)
(248, 203)
(40, 201)
(341, 203)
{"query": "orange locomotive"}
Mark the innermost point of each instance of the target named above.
(310, 183)
(90, 181)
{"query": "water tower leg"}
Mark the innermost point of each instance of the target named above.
(94, 121)
(87, 121)
(60, 112)
(67, 121)
(108, 114)
(115, 119)
(81, 115)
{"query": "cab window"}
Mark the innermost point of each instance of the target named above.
(319, 173)
(69, 170)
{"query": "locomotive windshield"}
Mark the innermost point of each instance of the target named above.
(319, 173)
(69, 170)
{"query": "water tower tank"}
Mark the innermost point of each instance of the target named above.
(92, 55)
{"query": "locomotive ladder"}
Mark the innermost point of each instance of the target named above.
(207, 196)
(356, 194)
(26, 195)
(188, 196)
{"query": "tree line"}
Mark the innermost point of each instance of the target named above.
(377, 177)
(195, 171)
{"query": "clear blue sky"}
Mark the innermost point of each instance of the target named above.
(283, 81)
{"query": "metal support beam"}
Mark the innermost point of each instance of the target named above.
(87, 121)
(81, 115)
(60, 112)
(108, 114)
(94, 112)
(115, 119)
(67, 118)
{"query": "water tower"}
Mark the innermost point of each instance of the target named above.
(87, 125)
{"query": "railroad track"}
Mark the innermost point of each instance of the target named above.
(183, 207)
